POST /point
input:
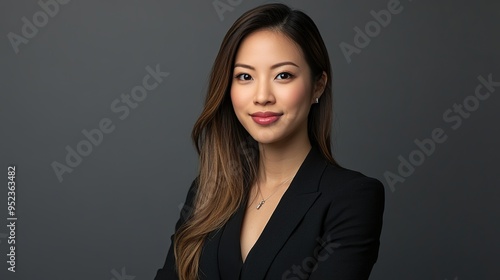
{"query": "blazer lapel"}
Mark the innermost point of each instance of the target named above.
(301, 194)
(229, 257)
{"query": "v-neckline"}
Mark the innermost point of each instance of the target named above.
(241, 217)
(279, 227)
(243, 210)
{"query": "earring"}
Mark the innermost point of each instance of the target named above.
(317, 100)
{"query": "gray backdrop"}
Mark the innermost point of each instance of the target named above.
(416, 101)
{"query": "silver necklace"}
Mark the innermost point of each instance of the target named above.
(264, 200)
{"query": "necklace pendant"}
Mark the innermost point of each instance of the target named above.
(260, 204)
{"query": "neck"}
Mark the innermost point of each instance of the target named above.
(280, 161)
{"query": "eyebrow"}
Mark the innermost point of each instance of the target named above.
(272, 67)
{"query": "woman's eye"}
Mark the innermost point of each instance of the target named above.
(244, 77)
(284, 76)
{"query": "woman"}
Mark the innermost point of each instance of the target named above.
(270, 202)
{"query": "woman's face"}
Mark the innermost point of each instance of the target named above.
(272, 90)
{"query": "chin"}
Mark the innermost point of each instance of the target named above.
(267, 138)
(263, 137)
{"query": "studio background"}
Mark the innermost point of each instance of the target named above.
(111, 217)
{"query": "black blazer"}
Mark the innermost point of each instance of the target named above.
(326, 226)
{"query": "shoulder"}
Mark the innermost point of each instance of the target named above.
(338, 178)
(338, 182)
(335, 182)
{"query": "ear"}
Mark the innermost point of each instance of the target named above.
(319, 87)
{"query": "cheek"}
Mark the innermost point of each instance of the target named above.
(237, 99)
(297, 98)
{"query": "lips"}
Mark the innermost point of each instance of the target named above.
(265, 118)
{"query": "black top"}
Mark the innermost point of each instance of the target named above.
(326, 226)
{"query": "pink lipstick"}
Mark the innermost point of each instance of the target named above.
(265, 118)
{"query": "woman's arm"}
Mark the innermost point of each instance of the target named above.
(168, 272)
(352, 232)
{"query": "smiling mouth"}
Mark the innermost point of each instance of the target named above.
(265, 118)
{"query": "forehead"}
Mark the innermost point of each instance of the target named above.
(269, 46)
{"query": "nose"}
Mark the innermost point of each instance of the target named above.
(264, 93)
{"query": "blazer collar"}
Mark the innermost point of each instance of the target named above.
(294, 204)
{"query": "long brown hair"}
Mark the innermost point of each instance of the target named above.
(228, 155)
